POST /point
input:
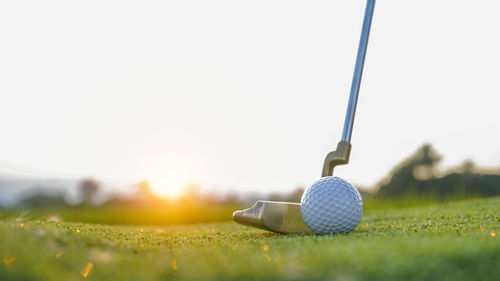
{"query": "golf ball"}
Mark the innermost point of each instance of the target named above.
(331, 205)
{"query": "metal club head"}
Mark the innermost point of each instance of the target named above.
(282, 217)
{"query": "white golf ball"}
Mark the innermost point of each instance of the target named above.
(331, 205)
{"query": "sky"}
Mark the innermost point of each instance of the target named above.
(243, 95)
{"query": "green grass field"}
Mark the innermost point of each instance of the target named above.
(452, 241)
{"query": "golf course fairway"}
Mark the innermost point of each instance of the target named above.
(449, 241)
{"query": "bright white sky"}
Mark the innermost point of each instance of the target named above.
(243, 95)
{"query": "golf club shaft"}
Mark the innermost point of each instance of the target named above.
(358, 72)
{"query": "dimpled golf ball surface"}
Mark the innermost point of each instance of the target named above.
(331, 205)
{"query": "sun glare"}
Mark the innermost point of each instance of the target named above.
(167, 188)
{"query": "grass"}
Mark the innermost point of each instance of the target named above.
(452, 241)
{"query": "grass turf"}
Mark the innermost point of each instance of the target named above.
(452, 241)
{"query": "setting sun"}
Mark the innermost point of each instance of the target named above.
(168, 188)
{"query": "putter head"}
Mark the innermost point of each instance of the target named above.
(282, 217)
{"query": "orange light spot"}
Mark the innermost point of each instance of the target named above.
(86, 270)
(59, 254)
(493, 234)
(394, 222)
(266, 247)
(142, 230)
(21, 225)
(8, 261)
(267, 257)
(173, 263)
(78, 230)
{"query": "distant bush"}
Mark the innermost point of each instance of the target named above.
(418, 176)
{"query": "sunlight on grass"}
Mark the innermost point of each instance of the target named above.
(8, 261)
(86, 270)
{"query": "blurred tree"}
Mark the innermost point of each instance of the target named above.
(427, 156)
(295, 195)
(145, 190)
(405, 177)
(191, 195)
(89, 187)
(230, 197)
(468, 166)
(416, 176)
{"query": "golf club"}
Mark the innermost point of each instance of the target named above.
(286, 217)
